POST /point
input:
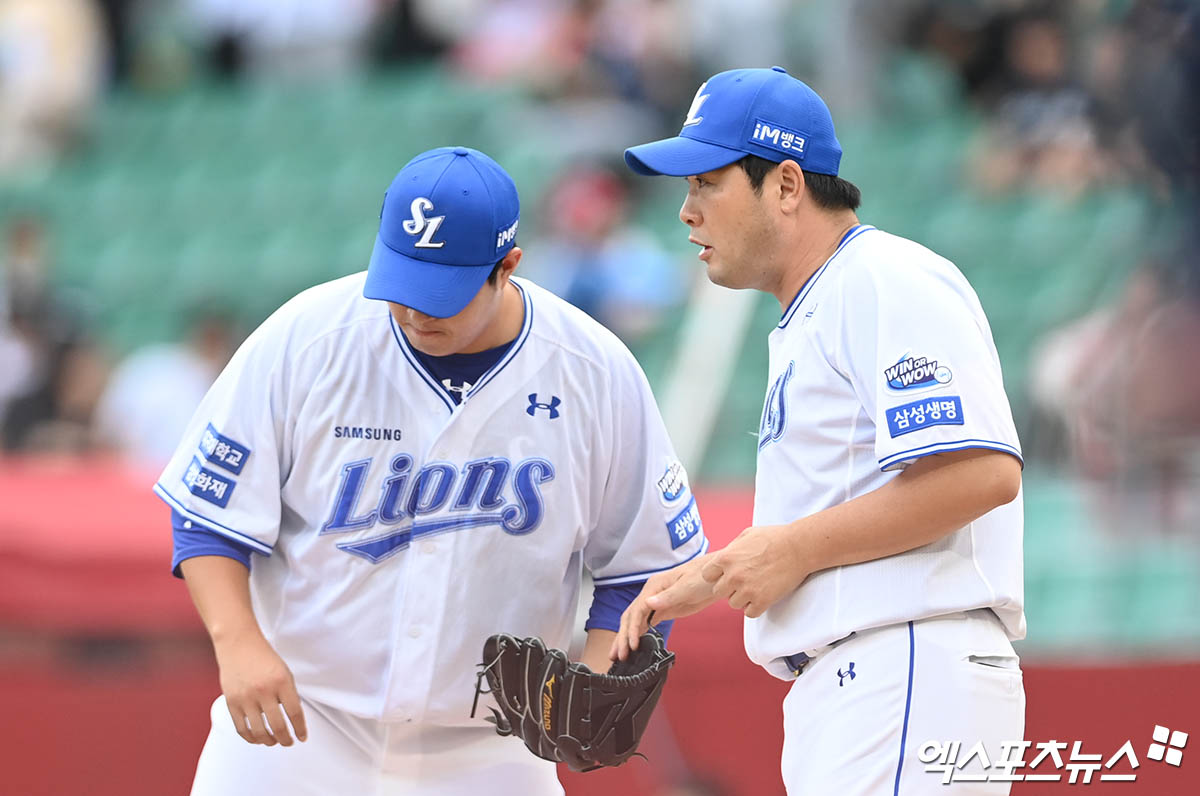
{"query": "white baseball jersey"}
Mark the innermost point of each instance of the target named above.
(883, 357)
(400, 530)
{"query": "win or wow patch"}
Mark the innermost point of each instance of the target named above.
(673, 483)
(208, 485)
(685, 524)
(913, 373)
(222, 451)
(945, 410)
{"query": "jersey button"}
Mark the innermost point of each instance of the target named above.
(414, 632)
(428, 547)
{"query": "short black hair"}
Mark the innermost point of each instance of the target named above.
(830, 192)
(495, 274)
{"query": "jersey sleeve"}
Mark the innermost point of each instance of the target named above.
(917, 348)
(225, 473)
(648, 519)
(609, 602)
(192, 540)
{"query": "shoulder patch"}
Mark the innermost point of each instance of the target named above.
(913, 373)
(684, 525)
(944, 410)
(208, 485)
(222, 451)
(673, 484)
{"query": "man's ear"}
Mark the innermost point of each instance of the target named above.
(790, 181)
(509, 264)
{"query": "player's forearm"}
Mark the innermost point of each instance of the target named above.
(220, 589)
(931, 498)
(596, 650)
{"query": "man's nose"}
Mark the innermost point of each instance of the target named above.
(416, 316)
(688, 213)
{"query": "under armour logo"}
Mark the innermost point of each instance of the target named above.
(848, 673)
(462, 389)
(699, 99)
(551, 407)
(419, 224)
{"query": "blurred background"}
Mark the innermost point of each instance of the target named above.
(173, 170)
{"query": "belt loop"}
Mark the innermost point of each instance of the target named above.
(797, 662)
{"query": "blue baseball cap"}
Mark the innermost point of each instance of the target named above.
(763, 112)
(449, 216)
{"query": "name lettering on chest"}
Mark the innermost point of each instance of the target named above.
(484, 492)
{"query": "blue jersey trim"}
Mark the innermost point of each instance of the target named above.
(851, 234)
(633, 577)
(912, 650)
(609, 602)
(211, 524)
(438, 389)
(466, 368)
(950, 447)
(516, 346)
(197, 540)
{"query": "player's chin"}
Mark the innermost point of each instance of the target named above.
(435, 344)
(723, 277)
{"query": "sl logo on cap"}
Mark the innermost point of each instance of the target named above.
(419, 224)
(699, 99)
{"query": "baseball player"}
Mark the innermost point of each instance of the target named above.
(394, 466)
(882, 574)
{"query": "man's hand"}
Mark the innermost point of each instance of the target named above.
(668, 595)
(757, 569)
(257, 683)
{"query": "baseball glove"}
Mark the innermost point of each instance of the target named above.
(565, 712)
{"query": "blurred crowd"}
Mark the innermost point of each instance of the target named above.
(1072, 97)
(1074, 92)
(60, 391)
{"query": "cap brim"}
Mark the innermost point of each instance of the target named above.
(679, 157)
(436, 290)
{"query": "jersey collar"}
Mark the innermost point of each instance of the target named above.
(851, 234)
(488, 375)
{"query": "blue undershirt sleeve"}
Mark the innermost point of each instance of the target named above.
(609, 602)
(192, 539)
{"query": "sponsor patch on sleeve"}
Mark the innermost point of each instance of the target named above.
(207, 485)
(673, 484)
(222, 451)
(945, 410)
(913, 373)
(685, 524)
